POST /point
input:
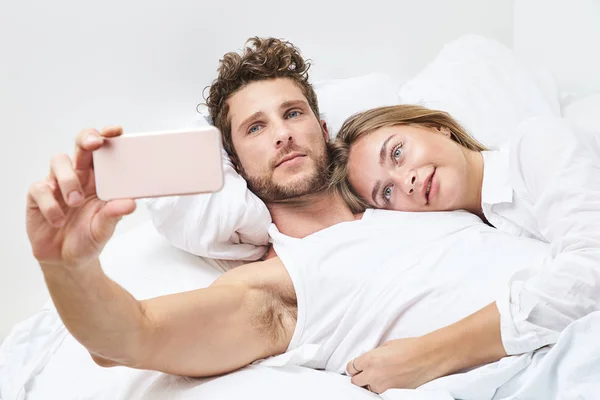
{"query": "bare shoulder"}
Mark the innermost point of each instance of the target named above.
(272, 299)
(269, 274)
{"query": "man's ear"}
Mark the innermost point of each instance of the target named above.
(325, 130)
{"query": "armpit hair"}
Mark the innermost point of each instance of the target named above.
(277, 311)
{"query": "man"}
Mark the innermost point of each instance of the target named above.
(279, 145)
(268, 114)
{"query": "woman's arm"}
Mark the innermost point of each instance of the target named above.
(561, 177)
(409, 363)
(472, 341)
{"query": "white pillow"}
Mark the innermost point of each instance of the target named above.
(584, 117)
(340, 98)
(480, 82)
(475, 79)
(584, 113)
(546, 82)
(232, 223)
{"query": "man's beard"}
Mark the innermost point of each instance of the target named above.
(269, 191)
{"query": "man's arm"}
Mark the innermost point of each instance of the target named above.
(245, 315)
(204, 332)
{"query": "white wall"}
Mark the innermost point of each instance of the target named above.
(563, 36)
(68, 64)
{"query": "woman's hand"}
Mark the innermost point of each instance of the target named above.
(402, 363)
(67, 224)
(410, 363)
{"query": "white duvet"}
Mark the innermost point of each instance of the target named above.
(40, 360)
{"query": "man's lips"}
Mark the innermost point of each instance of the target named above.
(289, 157)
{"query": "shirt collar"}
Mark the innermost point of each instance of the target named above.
(496, 186)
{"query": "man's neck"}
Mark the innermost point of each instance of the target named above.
(308, 214)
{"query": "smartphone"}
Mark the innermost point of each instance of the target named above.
(161, 163)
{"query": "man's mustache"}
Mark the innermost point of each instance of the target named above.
(289, 148)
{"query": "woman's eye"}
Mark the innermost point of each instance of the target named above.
(397, 153)
(387, 192)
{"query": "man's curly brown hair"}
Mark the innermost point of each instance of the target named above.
(262, 59)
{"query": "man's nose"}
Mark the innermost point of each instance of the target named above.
(283, 135)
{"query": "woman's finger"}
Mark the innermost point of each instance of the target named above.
(68, 181)
(351, 368)
(41, 196)
(360, 379)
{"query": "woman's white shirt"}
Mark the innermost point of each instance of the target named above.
(545, 184)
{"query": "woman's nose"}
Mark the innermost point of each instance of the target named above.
(406, 179)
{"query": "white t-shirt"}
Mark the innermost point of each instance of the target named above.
(394, 275)
(546, 185)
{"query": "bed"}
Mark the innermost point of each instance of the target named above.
(40, 360)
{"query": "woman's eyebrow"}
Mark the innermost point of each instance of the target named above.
(382, 152)
(375, 191)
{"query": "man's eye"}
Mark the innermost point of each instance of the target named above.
(254, 129)
(293, 114)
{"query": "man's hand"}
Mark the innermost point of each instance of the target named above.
(66, 222)
(403, 363)
(202, 332)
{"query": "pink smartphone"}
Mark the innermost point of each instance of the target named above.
(163, 163)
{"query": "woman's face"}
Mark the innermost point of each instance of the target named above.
(409, 168)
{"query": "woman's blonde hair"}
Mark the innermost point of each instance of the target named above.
(363, 124)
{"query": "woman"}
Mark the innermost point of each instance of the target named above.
(543, 184)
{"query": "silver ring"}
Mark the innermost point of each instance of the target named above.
(356, 369)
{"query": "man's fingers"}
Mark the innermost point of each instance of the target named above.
(68, 181)
(41, 196)
(89, 140)
(105, 221)
(86, 142)
(119, 208)
(111, 131)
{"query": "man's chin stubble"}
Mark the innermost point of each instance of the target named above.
(270, 192)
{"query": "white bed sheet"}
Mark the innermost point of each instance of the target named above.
(41, 360)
